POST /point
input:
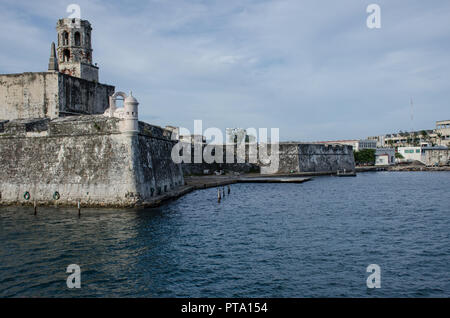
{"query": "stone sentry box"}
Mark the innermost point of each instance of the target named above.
(96, 159)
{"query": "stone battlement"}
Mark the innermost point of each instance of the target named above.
(75, 126)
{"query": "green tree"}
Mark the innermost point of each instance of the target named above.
(365, 156)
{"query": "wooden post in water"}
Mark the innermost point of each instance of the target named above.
(79, 209)
(229, 189)
(35, 208)
(218, 195)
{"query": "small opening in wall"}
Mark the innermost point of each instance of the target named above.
(65, 38)
(66, 55)
(77, 39)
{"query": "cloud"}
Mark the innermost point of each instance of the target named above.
(311, 68)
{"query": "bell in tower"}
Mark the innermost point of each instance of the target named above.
(75, 50)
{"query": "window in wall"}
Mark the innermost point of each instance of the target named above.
(65, 38)
(77, 39)
(66, 55)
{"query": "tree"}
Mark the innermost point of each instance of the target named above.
(365, 156)
(399, 156)
(424, 134)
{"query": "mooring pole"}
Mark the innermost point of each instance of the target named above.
(79, 209)
(229, 189)
(35, 208)
(218, 195)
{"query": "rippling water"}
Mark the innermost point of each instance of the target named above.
(264, 240)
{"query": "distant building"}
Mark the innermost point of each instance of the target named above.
(430, 156)
(379, 140)
(443, 132)
(410, 153)
(238, 135)
(355, 143)
(439, 137)
(384, 156)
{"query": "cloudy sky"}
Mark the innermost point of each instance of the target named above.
(309, 67)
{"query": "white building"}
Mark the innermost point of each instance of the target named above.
(384, 156)
(430, 156)
(410, 153)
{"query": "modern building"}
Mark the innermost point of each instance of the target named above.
(438, 137)
(415, 138)
(379, 140)
(410, 153)
(355, 143)
(443, 132)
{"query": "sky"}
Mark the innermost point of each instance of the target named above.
(311, 68)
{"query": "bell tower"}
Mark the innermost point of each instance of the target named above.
(75, 49)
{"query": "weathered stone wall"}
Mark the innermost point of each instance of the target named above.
(80, 70)
(50, 94)
(156, 173)
(436, 157)
(242, 166)
(29, 95)
(83, 158)
(303, 157)
(292, 158)
(80, 96)
(325, 158)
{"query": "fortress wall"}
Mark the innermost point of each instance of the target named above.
(302, 157)
(436, 157)
(92, 167)
(28, 95)
(292, 158)
(156, 173)
(84, 158)
(78, 95)
(193, 168)
(325, 158)
(47, 94)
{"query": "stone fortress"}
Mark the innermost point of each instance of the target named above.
(63, 140)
